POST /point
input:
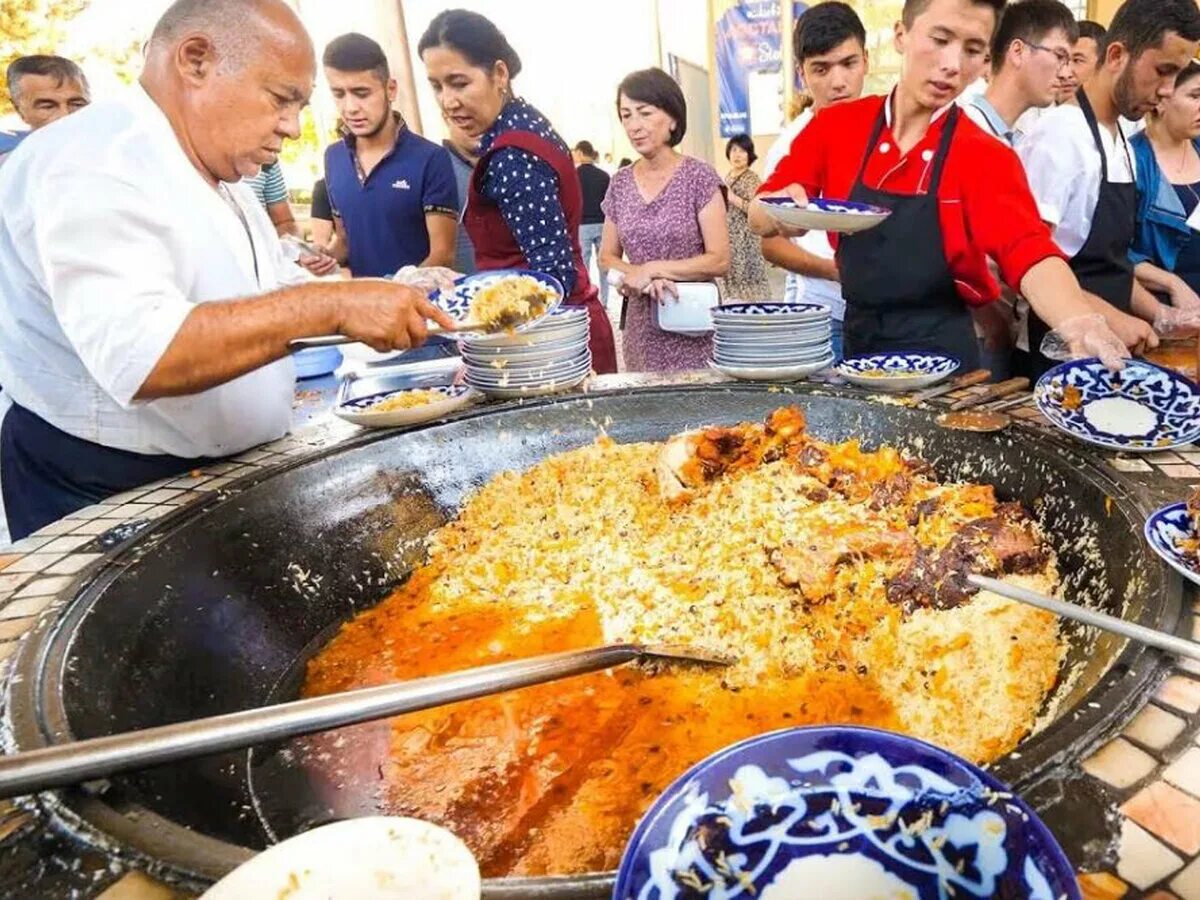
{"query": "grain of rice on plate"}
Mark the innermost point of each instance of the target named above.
(834, 574)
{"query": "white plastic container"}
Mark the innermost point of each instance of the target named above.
(691, 313)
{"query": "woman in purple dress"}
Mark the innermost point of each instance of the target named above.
(664, 222)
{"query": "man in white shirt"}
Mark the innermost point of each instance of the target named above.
(829, 43)
(1081, 170)
(145, 305)
(1030, 52)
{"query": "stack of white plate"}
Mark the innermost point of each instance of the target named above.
(551, 356)
(771, 341)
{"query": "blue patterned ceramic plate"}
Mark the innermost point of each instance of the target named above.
(365, 411)
(1166, 529)
(768, 314)
(898, 371)
(820, 214)
(840, 813)
(457, 303)
(1141, 409)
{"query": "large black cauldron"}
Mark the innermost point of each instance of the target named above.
(216, 608)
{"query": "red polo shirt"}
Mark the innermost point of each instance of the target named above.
(985, 207)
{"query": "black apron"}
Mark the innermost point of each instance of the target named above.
(1102, 264)
(46, 473)
(900, 293)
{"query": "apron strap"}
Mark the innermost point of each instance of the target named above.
(939, 160)
(1090, 115)
(875, 133)
(943, 150)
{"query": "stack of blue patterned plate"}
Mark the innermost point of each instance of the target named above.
(771, 341)
(551, 356)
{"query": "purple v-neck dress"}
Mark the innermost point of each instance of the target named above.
(667, 227)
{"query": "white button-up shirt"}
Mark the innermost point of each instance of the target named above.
(108, 238)
(1063, 167)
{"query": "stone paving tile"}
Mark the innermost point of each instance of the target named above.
(215, 484)
(54, 529)
(66, 543)
(1187, 883)
(1191, 666)
(94, 511)
(126, 497)
(1102, 886)
(1167, 813)
(10, 629)
(30, 606)
(30, 544)
(1161, 895)
(1120, 764)
(1185, 772)
(1163, 456)
(188, 482)
(1182, 470)
(1143, 861)
(127, 512)
(1181, 693)
(43, 586)
(1154, 727)
(34, 562)
(163, 495)
(7, 559)
(96, 526)
(10, 581)
(73, 563)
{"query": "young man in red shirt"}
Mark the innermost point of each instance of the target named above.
(957, 197)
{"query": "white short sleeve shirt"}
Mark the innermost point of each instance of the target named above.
(109, 237)
(1063, 168)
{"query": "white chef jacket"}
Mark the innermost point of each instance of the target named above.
(803, 287)
(1063, 168)
(108, 238)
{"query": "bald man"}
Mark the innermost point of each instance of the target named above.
(145, 304)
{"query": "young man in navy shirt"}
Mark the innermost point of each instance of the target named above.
(394, 198)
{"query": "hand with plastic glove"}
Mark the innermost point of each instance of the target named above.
(1086, 336)
(428, 280)
(1176, 322)
(1182, 296)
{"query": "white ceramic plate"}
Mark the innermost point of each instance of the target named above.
(369, 858)
(774, 373)
(360, 412)
(843, 216)
(505, 378)
(541, 390)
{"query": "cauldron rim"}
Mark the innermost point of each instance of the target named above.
(33, 700)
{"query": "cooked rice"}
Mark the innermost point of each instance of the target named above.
(406, 400)
(510, 302)
(582, 548)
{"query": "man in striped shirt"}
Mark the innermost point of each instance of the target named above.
(271, 190)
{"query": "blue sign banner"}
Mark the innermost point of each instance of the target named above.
(749, 41)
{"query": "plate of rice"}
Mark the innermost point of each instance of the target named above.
(410, 406)
(502, 300)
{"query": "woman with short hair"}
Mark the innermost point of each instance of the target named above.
(664, 223)
(747, 278)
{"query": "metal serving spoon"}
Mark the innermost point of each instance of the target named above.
(962, 417)
(49, 767)
(1151, 637)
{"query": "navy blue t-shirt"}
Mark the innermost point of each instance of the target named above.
(384, 213)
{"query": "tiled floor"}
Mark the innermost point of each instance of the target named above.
(1152, 770)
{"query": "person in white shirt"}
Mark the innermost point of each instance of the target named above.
(829, 44)
(1031, 50)
(145, 304)
(1081, 170)
(1031, 54)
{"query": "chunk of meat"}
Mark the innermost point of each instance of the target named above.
(1193, 509)
(695, 458)
(813, 567)
(891, 493)
(1003, 544)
